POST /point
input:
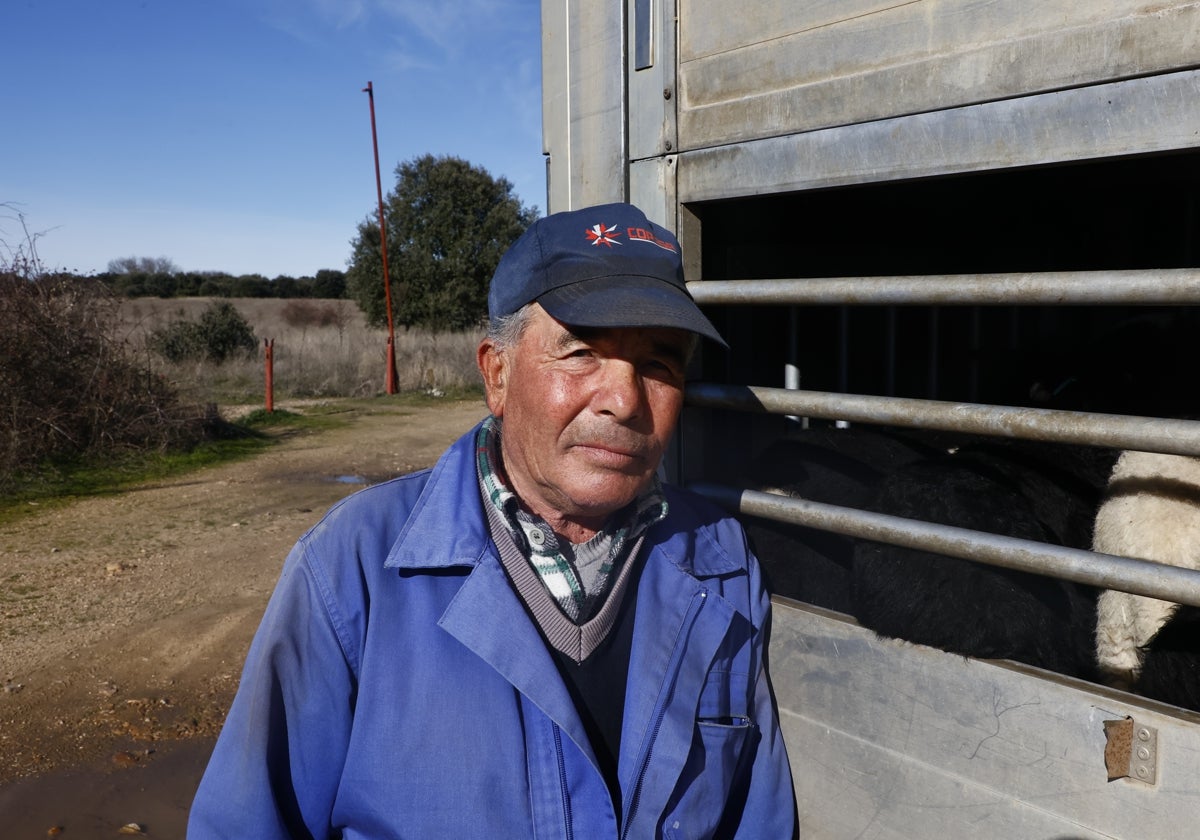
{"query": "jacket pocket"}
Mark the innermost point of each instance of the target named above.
(708, 784)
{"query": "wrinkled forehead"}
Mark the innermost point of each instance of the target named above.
(671, 341)
(544, 334)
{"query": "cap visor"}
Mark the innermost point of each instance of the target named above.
(628, 302)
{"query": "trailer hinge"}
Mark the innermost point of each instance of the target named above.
(1131, 751)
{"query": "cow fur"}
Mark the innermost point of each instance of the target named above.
(1022, 489)
(1018, 489)
(1171, 664)
(1152, 511)
(834, 466)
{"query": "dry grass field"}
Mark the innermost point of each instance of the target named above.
(322, 348)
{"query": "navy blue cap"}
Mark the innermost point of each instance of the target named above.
(605, 266)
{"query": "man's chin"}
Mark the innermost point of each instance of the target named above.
(600, 504)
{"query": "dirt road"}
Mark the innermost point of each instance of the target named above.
(124, 620)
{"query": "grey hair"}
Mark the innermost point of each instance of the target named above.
(506, 331)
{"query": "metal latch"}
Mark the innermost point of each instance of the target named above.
(1131, 751)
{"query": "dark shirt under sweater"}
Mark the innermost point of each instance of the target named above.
(593, 658)
(597, 687)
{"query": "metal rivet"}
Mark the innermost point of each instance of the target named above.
(1143, 753)
(1142, 772)
(669, 146)
(1144, 734)
(666, 93)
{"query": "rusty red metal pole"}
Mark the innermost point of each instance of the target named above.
(390, 381)
(269, 348)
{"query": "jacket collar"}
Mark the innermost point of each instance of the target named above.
(446, 526)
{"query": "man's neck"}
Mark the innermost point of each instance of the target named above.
(573, 527)
(566, 528)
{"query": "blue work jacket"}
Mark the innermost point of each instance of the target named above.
(397, 688)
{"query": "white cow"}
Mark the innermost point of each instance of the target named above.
(1151, 511)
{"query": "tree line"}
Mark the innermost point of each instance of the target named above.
(326, 283)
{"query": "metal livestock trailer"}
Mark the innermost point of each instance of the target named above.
(889, 208)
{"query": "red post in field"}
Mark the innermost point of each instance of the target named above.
(392, 381)
(269, 347)
(391, 384)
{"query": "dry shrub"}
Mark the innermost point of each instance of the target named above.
(67, 388)
(312, 313)
(314, 355)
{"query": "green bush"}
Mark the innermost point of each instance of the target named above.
(221, 333)
(448, 222)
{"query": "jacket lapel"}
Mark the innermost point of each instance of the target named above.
(447, 527)
(490, 620)
(681, 625)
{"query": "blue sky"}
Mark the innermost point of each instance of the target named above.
(233, 135)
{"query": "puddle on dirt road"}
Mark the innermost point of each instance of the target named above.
(360, 479)
(95, 800)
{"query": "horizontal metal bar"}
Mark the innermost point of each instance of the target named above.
(1128, 574)
(1178, 286)
(1147, 434)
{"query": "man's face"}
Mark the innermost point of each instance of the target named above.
(587, 414)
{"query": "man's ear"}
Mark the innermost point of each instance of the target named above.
(493, 365)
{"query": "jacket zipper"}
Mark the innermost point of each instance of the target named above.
(569, 827)
(660, 713)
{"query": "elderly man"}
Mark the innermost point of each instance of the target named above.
(536, 638)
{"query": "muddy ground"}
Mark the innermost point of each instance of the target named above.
(124, 620)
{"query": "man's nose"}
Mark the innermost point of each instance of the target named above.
(620, 392)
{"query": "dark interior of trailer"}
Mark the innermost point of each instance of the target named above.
(1131, 213)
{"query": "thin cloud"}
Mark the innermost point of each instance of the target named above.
(342, 13)
(449, 31)
(311, 21)
(413, 35)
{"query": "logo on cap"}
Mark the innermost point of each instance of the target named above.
(602, 234)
